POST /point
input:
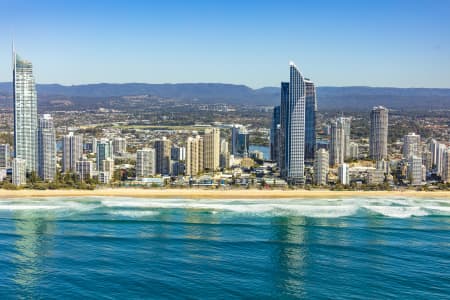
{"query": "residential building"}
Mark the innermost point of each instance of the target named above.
(225, 159)
(211, 149)
(19, 169)
(343, 174)
(383, 165)
(5, 156)
(108, 167)
(46, 148)
(104, 177)
(446, 167)
(163, 152)
(194, 156)
(243, 142)
(178, 153)
(94, 145)
(145, 163)
(340, 141)
(119, 145)
(411, 145)
(224, 146)
(354, 150)
(224, 154)
(72, 151)
(104, 151)
(433, 144)
(441, 149)
(178, 168)
(84, 169)
(234, 138)
(427, 159)
(321, 167)
(378, 133)
(415, 170)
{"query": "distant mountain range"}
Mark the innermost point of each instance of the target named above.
(329, 98)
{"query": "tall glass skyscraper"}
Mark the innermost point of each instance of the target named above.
(47, 148)
(310, 121)
(25, 113)
(283, 120)
(293, 125)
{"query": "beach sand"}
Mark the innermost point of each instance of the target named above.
(218, 194)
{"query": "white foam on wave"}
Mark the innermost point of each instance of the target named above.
(440, 210)
(322, 211)
(263, 207)
(134, 213)
(398, 211)
(316, 208)
(54, 205)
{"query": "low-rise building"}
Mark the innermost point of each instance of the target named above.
(84, 169)
(19, 171)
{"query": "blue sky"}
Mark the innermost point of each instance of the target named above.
(337, 43)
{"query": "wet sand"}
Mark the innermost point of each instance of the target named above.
(196, 193)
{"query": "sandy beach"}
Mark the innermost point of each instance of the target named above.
(217, 194)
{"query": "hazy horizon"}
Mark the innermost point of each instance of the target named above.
(227, 83)
(346, 43)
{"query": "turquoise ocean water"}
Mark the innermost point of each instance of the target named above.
(128, 248)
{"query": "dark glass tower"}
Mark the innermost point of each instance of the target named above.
(283, 125)
(310, 121)
(274, 134)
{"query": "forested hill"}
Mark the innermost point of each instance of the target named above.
(329, 98)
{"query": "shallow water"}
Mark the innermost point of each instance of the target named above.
(103, 248)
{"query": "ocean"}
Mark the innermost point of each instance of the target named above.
(129, 248)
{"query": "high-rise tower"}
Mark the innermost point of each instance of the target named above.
(162, 156)
(47, 148)
(72, 151)
(293, 126)
(25, 113)
(378, 133)
(211, 149)
(283, 119)
(340, 141)
(411, 145)
(310, 121)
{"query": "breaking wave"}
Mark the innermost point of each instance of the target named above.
(134, 213)
(314, 208)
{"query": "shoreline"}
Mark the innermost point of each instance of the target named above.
(217, 194)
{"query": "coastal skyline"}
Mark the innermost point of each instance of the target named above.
(222, 189)
(401, 43)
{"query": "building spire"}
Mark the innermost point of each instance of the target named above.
(13, 49)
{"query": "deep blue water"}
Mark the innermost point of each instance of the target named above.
(106, 248)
